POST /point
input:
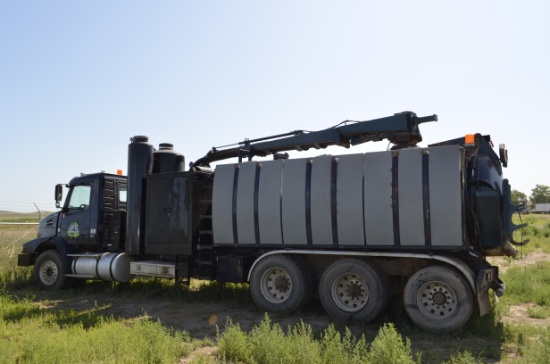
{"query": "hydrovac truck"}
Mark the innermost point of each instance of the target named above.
(351, 230)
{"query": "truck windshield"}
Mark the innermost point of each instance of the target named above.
(80, 197)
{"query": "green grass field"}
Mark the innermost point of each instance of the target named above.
(35, 326)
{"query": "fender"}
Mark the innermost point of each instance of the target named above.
(33, 248)
(481, 291)
(458, 264)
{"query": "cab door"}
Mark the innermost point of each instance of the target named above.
(75, 225)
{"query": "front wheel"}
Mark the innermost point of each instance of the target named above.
(438, 299)
(49, 270)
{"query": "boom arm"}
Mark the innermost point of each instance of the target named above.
(400, 129)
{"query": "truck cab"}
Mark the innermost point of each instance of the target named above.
(93, 203)
(90, 219)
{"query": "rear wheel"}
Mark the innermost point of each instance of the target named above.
(280, 283)
(49, 270)
(353, 290)
(438, 299)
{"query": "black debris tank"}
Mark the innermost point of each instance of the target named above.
(167, 160)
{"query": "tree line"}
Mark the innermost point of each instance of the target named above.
(539, 194)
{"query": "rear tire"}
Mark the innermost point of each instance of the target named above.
(49, 270)
(438, 299)
(353, 290)
(281, 284)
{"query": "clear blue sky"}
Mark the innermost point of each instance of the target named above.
(79, 78)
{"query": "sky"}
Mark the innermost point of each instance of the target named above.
(78, 79)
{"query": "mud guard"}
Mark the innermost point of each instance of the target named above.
(33, 248)
(484, 281)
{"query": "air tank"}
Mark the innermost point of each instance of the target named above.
(140, 164)
(167, 160)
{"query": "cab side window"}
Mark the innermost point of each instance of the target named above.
(80, 197)
(122, 194)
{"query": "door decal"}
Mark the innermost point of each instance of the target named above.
(73, 231)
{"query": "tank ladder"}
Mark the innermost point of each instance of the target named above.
(206, 242)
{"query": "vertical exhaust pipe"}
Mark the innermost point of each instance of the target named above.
(140, 164)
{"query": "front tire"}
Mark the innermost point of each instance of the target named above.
(49, 270)
(281, 284)
(353, 290)
(438, 299)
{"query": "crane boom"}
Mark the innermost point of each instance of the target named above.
(400, 129)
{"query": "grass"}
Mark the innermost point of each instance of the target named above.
(33, 329)
(12, 238)
(36, 335)
(528, 284)
(268, 343)
(21, 217)
(537, 231)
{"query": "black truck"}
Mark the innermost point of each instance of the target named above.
(352, 229)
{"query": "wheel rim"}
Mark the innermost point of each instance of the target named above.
(437, 300)
(48, 272)
(276, 285)
(350, 292)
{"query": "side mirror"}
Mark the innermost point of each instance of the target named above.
(503, 154)
(58, 195)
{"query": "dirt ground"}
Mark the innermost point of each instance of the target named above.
(200, 320)
(520, 313)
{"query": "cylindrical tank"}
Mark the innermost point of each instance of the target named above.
(108, 267)
(85, 266)
(140, 164)
(167, 160)
(114, 267)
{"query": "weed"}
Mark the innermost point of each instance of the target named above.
(38, 335)
(268, 343)
(464, 357)
(540, 350)
(389, 347)
(538, 312)
(536, 291)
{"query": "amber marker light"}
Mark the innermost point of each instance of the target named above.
(469, 139)
(119, 172)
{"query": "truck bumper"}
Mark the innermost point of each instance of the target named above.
(23, 260)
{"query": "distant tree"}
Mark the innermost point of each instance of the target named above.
(540, 194)
(519, 198)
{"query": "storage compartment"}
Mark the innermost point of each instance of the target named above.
(169, 213)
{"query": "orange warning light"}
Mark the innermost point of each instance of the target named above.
(469, 139)
(119, 172)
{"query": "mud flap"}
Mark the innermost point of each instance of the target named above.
(23, 260)
(485, 280)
